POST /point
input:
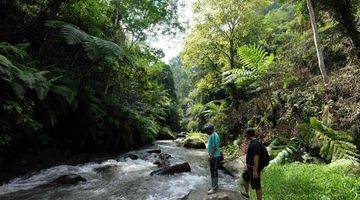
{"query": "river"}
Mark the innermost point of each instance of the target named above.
(131, 180)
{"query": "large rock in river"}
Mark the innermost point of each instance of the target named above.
(132, 156)
(163, 160)
(108, 169)
(201, 194)
(195, 143)
(181, 135)
(154, 151)
(179, 142)
(236, 165)
(69, 179)
(179, 168)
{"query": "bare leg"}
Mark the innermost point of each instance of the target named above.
(259, 194)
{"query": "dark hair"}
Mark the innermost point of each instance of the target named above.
(250, 132)
(209, 127)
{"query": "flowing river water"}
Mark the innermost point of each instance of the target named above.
(130, 180)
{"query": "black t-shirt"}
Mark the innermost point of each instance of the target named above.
(254, 149)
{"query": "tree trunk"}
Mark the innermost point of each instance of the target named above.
(119, 36)
(232, 54)
(317, 42)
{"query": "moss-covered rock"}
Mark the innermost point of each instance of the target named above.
(194, 143)
(195, 140)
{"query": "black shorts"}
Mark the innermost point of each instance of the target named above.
(248, 177)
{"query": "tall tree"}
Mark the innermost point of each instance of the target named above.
(218, 29)
(317, 41)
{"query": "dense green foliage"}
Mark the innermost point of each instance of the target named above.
(253, 63)
(310, 181)
(78, 75)
(81, 77)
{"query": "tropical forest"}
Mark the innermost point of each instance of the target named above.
(179, 99)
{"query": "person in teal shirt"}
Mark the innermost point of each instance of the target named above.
(214, 156)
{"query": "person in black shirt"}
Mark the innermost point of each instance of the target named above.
(252, 169)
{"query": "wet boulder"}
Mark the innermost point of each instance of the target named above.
(154, 151)
(163, 160)
(69, 179)
(175, 169)
(181, 135)
(164, 156)
(179, 142)
(236, 165)
(107, 169)
(133, 156)
(195, 143)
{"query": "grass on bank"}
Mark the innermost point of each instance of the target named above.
(299, 181)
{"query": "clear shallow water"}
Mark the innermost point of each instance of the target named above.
(129, 179)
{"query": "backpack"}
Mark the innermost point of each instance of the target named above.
(264, 159)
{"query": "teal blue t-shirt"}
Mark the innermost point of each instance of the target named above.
(214, 142)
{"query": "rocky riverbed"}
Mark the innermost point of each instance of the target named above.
(176, 172)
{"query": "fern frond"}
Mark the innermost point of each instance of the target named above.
(74, 35)
(22, 77)
(68, 93)
(333, 145)
(95, 47)
(98, 48)
(255, 63)
(288, 153)
(16, 51)
(7, 69)
(253, 57)
(234, 75)
(18, 88)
